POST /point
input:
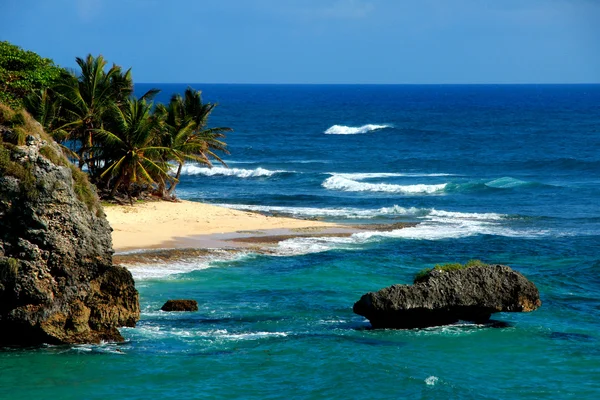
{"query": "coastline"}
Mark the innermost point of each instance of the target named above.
(188, 224)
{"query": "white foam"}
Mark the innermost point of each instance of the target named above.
(237, 172)
(351, 130)
(435, 225)
(338, 182)
(431, 380)
(162, 270)
(342, 212)
(461, 215)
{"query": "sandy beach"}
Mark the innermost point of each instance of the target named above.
(161, 224)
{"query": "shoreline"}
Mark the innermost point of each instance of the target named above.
(158, 231)
(188, 224)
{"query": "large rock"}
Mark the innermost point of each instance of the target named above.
(57, 281)
(445, 297)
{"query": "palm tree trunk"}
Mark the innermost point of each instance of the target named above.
(176, 181)
(114, 189)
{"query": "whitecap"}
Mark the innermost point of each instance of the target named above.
(236, 172)
(462, 215)
(431, 380)
(351, 130)
(337, 182)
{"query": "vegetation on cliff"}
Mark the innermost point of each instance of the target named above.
(23, 72)
(126, 145)
(448, 267)
(57, 280)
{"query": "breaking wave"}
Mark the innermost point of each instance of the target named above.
(352, 130)
(338, 182)
(236, 172)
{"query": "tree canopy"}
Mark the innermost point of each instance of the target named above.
(23, 71)
(125, 144)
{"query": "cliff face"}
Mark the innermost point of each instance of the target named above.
(57, 281)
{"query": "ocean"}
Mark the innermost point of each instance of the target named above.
(506, 174)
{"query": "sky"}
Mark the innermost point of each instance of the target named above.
(318, 41)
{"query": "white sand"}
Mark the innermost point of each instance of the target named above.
(157, 224)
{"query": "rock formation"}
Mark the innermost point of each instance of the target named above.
(445, 297)
(57, 281)
(180, 305)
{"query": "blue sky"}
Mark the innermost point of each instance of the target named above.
(319, 41)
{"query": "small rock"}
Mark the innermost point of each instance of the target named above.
(180, 305)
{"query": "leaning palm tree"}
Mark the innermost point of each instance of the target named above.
(127, 152)
(184, 131)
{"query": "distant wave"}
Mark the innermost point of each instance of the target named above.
(508, 183)
(338, 182)
(352, 130)
(237, 172)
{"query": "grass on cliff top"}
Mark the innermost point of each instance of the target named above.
(424, 273)
(20, 125)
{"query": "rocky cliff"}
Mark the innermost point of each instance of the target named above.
(444, 297)
(57, 281)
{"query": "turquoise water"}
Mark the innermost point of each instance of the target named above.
(506, 174)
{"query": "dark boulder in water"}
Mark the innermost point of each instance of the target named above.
(445, 297)
(180, 305)
(58, 284)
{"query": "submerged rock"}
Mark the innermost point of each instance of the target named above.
(445, 297)
(180, 305)
(57, 281)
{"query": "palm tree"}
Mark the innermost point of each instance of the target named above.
(128, 152)
(88, 98)
(184, 131)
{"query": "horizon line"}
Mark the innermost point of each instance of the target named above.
(372, 84)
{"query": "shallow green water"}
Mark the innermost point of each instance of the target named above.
(282, 327)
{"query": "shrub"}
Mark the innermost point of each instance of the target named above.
(424, 273)
(83, 189)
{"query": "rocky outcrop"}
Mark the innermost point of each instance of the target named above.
(180, 305)
(57, 281)
(445, 297)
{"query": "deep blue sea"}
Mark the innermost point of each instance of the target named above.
(506, 174)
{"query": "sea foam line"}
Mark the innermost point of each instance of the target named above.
(354, 130)
(342, 212)
(358, 213)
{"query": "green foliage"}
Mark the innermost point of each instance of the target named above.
(9, 268)
(22, 72)
(125, 143)
(448, 267)
(53, 156)
(9, 167)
